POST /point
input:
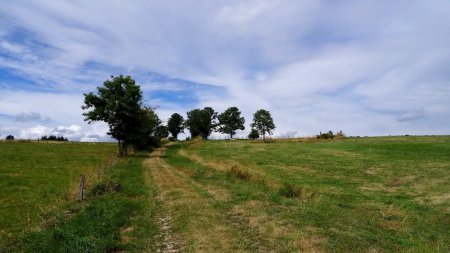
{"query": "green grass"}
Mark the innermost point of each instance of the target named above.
(110, 222)
(38, 176)
(385, 194)
(38, 213)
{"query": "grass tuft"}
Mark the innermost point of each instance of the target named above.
(102, 188)
(295, 191)
(237, 172)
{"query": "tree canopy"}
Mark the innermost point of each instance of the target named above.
(175, 125)
(230, 121)
(119, 104)
(254, 134)
(263, 122)
(201, 122)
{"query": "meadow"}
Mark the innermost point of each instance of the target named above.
(380, 194)
(38, 178)
(384, 194)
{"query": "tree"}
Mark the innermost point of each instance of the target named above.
(118, 103)
(263, 122)
(201, 122)
(9, 138)
(175, 125)
(162, 131)
(143, 132)
(253, 135)
(230, 121)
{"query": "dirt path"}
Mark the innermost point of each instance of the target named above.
(187, 220)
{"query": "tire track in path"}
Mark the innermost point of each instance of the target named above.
(187, 220)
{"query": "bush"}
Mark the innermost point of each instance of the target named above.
(239, 173)
(340, 135)
(328, 135)
(9, 138)
(253, 135)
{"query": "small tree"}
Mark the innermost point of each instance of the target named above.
(175, 125)
(201, 122)
(9, 138)
(230, 121)
(253, 135)
(263, 122)
(118, 103)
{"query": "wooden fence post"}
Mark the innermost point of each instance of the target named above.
(81, 195)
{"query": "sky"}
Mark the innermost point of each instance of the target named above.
(367, 68)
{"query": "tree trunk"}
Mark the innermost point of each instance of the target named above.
(264, 137)
(231, 136)
(121, 153)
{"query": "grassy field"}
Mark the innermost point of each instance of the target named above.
(36, 177)
(389, 194)
(385, 194)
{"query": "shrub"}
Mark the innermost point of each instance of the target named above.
(328, 135)
(239, 173)
(340, 135)
(9, 138)
(253, 135)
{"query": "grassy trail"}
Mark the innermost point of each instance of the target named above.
(188, 221)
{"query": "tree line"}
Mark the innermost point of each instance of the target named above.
(53, 138)
(119, 103)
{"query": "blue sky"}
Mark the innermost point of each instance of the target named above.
(364, 67)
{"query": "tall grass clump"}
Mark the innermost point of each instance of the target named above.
(237, 172)
(295, 191)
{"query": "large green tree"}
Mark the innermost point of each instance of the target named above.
(263, 122)
(230, 121)
(175, 125)
(146, 129)
(201, 122)
(119, 104)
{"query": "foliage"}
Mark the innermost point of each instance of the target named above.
(340, 135)
(254, 134)
(201, 122)
(175, 125)
(263, 122)
(53, 138)
(9, 138)
(119, 103)
(230, 121)
(328, 135)
(162, 131)
(143, 132)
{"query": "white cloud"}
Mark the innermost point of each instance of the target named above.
(73, 133)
